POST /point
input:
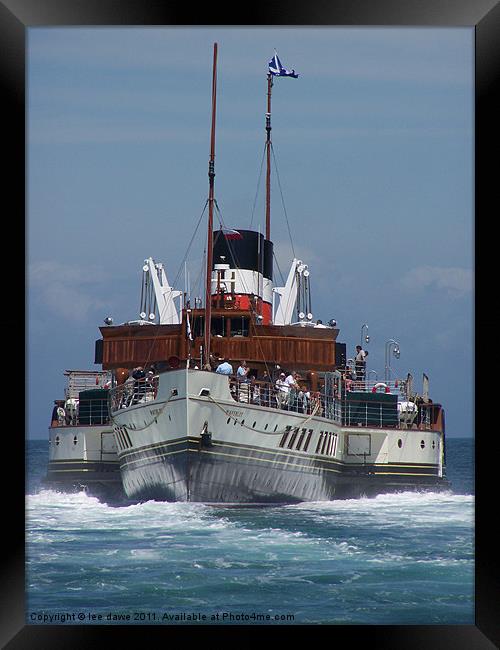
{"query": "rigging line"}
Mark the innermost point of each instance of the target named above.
(199, 287)
(258, 185)
(281, 274)
(151, 403)
(282, 199)
(189, 246)
(268, 433)
(146, 362)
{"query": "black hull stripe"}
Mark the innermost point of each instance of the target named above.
(313, 462)
(143, 452)
(83, 463)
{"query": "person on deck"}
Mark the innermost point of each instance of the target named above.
(225, 368)
(282, 390)
(360, 363)
(242, 372)
(304, 398)
(266, 389)
(139, 377)
(58, 414)
(293, 389)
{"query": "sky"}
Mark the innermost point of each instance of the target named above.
(373, 176)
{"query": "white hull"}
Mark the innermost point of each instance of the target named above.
(84, 457)
(243, 455)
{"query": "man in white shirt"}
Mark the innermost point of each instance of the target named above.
(282, 390)
(293, 388)
(360, 363)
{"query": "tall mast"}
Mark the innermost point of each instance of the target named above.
(211, 176)
(268, 151)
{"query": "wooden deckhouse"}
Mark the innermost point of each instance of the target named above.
(235, 336)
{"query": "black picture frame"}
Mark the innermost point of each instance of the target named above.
(482, 15)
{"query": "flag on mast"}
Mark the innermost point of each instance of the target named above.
(278, 70)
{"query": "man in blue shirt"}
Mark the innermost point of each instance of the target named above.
(225, 368)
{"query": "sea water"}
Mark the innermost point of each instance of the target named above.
(391, 560)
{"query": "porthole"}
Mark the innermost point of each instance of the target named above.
(57, 440)
(265, 428)
(400, 443)
(275, 428)
(434, 444)
(228, 420)
(253, 425)
(75, 440)
(242, 422)
(422, 444)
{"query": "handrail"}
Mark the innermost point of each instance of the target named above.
(91, 412)
(355, 411)
(135, 391)
(346, 412)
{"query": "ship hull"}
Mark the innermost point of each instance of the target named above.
(84, 458)
(195, 443)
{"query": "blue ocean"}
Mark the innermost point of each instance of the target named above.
(403, 559)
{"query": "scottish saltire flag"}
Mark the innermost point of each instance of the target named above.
(231, 234)
(278, 70)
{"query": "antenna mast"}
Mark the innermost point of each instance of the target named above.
(211, 176)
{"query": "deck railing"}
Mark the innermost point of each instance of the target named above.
(351, 408)
(137, 391)
(86, 413)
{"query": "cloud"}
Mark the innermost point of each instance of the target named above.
(453, 280)
(64, 290)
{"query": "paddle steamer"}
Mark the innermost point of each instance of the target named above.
(185, 432)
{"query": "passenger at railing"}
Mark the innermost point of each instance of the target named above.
(149, 383)
(212, 363)
(360, 363)
(293, 390)
(282, 390)
(58, 418)
(225, 368)
(255, 390)
(304, 399)
(242, 372)
(139, 377)
(266, 389)
(71, 409)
